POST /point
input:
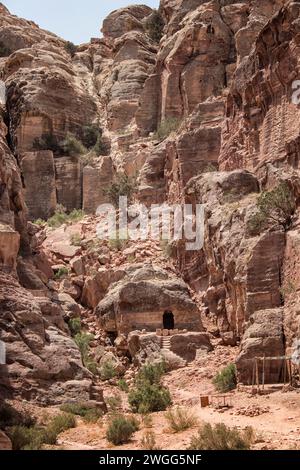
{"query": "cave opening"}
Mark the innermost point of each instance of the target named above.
(168, 320)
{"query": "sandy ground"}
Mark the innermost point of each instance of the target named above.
(277, 427)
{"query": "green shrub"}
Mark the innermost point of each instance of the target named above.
(149, 441)
(61, 272)
(61, 217)
(47, 142)
(123, 386)
(226, 379)
(147, 420)
(75, 326)
(57, 425)
(180, 419)
(9, 416)
(83, 341)
(124, 185)
(24, 438)
(148, 398)
(40, 222)
(70, 48)
(120, 430)
(155, 26)
(34, 437)
(4, 50)
(275, 206)
(76, 239)
(90, 135)
(76, 215)
(91, 365)
(220, 437)
(166, 127)
(151, 373)
(72, 146)
(114, 402)
(89, 413)
(101, 147)
(149, 395)
(108, 370)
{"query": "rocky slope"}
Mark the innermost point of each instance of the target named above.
(219, 76)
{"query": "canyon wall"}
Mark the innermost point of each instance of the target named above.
(203, 113)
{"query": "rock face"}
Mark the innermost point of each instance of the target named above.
(264, 336)
(38, 172)
(95, 181)
(143, 298)
(206, 115)
(261, 123)
(43, 364)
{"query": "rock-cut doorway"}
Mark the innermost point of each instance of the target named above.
(168, 320)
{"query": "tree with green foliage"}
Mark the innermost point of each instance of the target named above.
(90, 135)
(47, 142)
(276, 206)
(72, 146)
(75, 326)
(225, 380)
(166, 127)
(155, 26)
(149, 395)
(123, 185)
(70, 48)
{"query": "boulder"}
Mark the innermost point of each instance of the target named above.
(142, 298)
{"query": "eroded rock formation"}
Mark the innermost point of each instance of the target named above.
(215, 93)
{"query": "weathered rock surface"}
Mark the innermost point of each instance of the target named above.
(42, 361)
(261, 124)
(140, 300)
(38, 172)
(264, 337)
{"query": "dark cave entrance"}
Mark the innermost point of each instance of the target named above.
(168, 320)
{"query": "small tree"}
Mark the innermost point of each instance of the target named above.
(155, 26)
(75, 326)
(166, 127)
(47, 142)
(108, 370)
(70, 48)
(149, 395)
(124, 185)
(90, 135)
(226, 379)
(275, 206)
(72, 146)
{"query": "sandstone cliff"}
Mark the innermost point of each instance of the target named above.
(211, 90)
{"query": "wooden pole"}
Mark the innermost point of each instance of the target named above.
(290, 371)
(263, 372)
(257, 375)
(284, 371)
(253, 376)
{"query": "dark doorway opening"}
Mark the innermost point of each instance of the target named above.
(169, 322)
